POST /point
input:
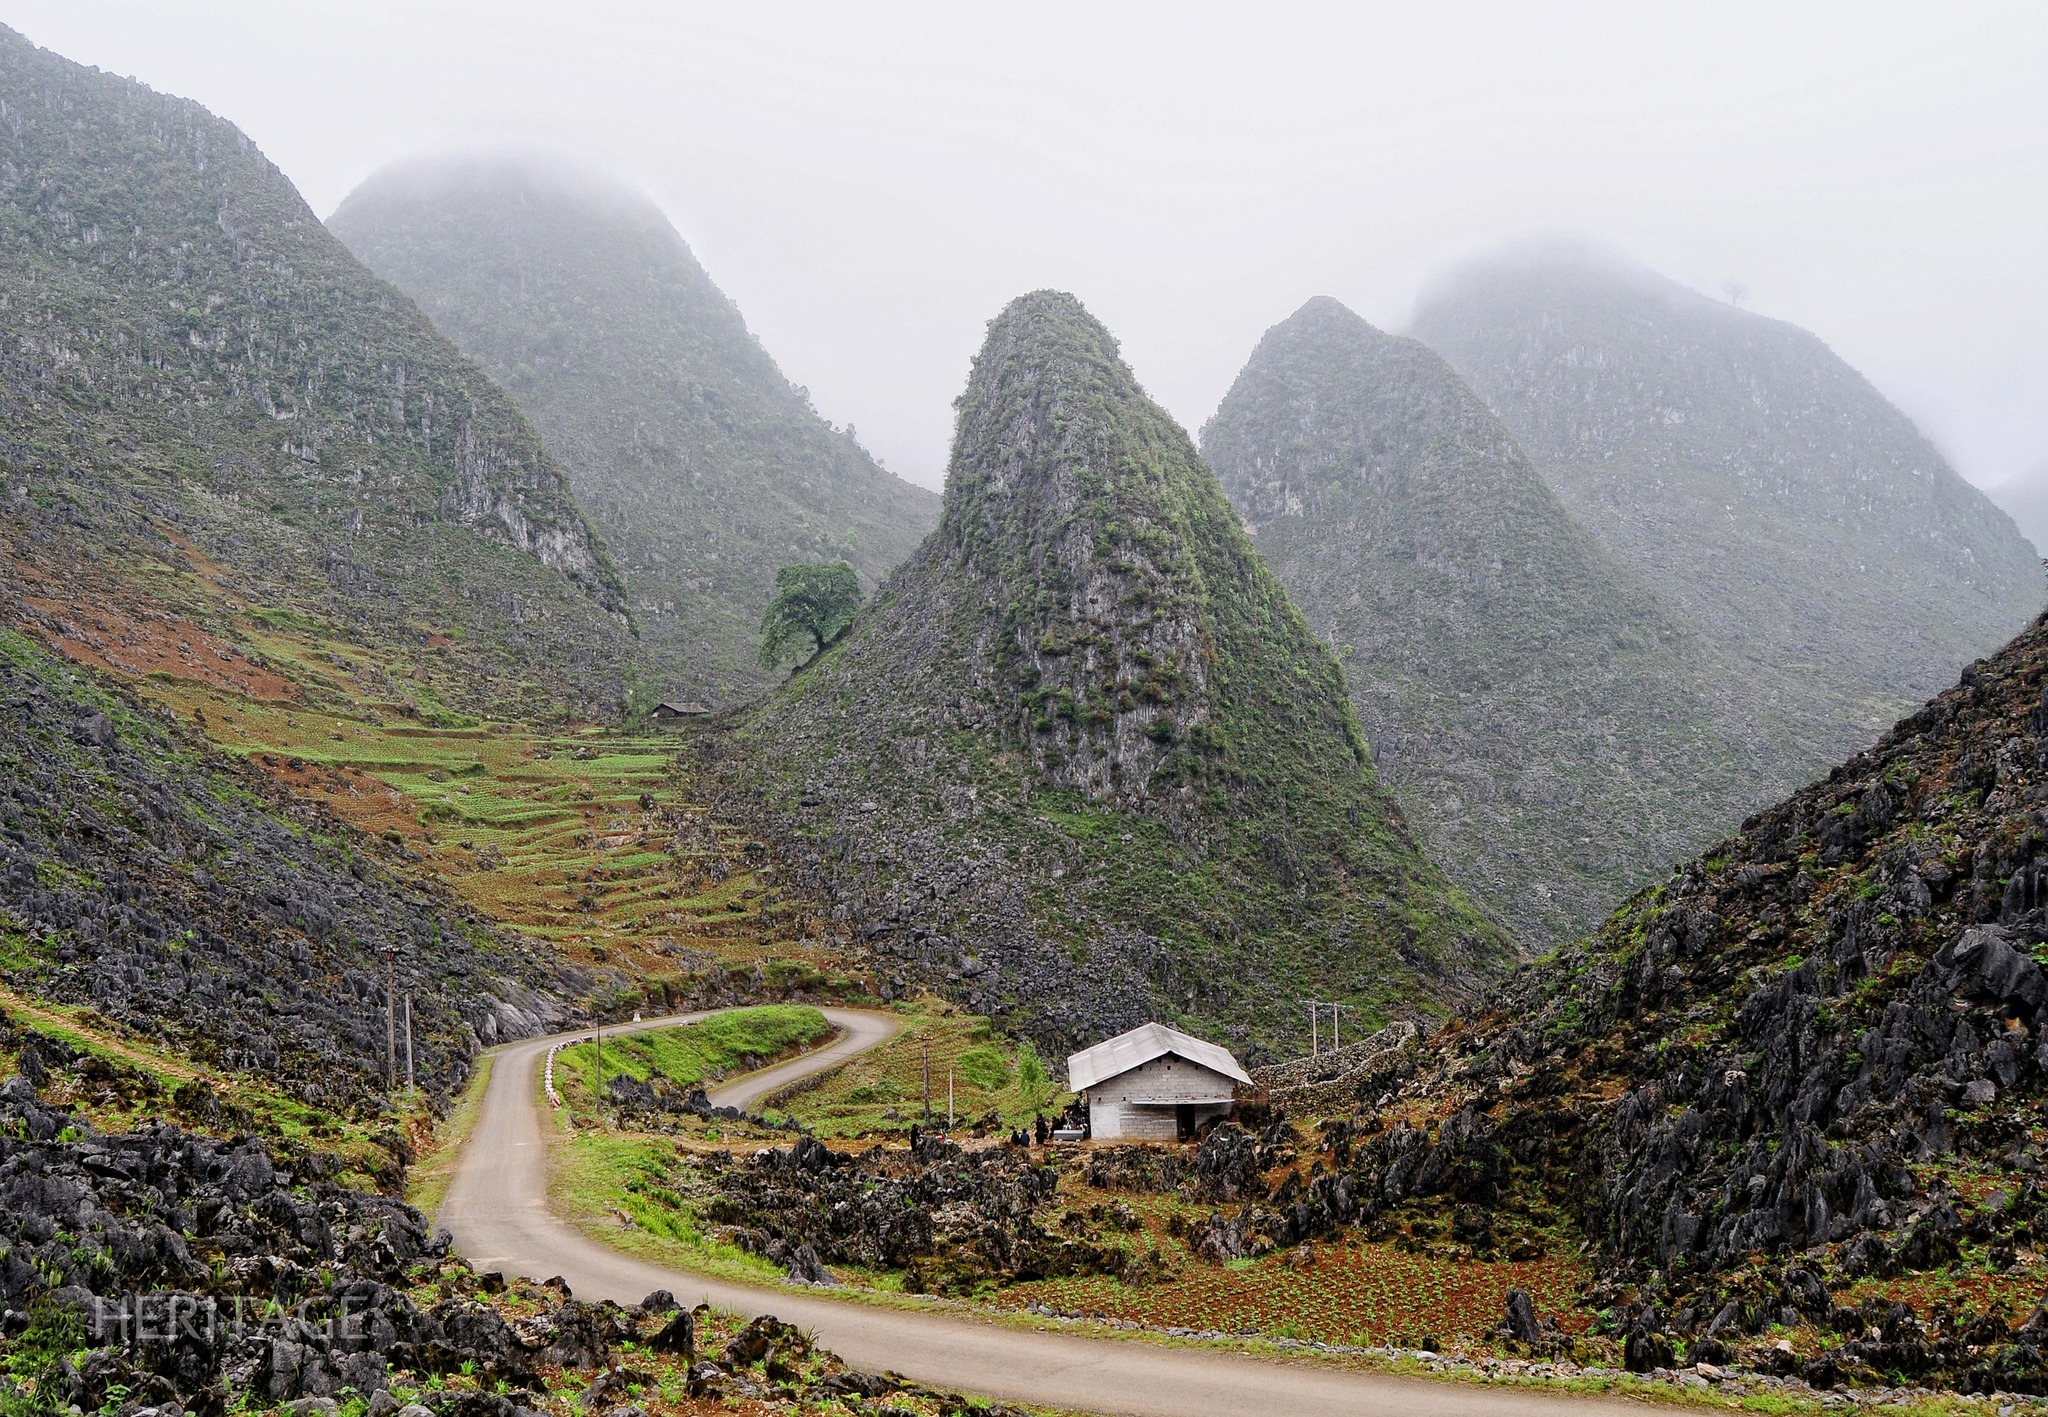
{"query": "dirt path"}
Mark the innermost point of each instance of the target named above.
(497, 1210)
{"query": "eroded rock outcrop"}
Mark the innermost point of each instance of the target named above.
(1810, 1059)
(186, 896)
(1081, 763)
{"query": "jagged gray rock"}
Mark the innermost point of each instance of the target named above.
(188, 897)
(1081, 763)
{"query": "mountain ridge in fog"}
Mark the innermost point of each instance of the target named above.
(704, 467)
(1772, 498)
(1556, 736)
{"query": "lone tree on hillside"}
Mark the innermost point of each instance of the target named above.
(815, 599)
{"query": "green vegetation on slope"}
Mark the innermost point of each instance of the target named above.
(196, 363)
(122, 1082)
(997, 1083)
(1557, 739)
(189, 899)
(692, 1055)
(703, 466)
(1082, 763)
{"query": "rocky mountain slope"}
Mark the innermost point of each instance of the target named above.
(1798, 1082)
(164, 1269)
(1554, 734)
(2025, 500)
(1779, 506)
(201, 386)
(1081, 763)
(184, 896)
(703, 466)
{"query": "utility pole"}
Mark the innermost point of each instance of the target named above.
(1336, 1037)
(949, 1099)
(927, 1081)
(390, 1017)
(597, 1038)
(1314, 1042)
(409, 1084)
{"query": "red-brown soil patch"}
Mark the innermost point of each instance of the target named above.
(134, 642)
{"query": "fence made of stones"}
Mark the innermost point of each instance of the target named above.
(1330, 1081)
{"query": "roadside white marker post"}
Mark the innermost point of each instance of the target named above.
(390, 1017)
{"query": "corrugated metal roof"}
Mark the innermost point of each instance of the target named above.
(1139, 1047)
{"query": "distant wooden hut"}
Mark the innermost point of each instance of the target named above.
(1154, 1084)
(666, 712)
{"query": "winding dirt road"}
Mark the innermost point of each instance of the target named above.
(496, 1208)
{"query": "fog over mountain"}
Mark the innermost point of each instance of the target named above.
(398, 760)
(1556, 734)
(1763, 489)
(2025, 500)
(868, 184)
(703, 466)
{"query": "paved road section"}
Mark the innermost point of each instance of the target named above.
(496, 1208)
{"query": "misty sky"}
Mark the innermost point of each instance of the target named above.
(872, 183)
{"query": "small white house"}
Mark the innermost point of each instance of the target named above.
(1154, 1084)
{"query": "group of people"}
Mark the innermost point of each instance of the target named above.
(1038, 1133)
(1022, 1137)
(1039, 1130)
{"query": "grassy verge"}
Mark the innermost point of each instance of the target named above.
(881, 1091)
(689, 1055)
(436, 1160)
(614, 1186)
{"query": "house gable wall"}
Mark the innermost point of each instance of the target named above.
(1114, 1104)
(1167, 1079)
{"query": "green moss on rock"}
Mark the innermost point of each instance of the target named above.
(1081, 762)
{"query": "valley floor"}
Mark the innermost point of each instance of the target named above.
(1360, 1315)
(591, 838)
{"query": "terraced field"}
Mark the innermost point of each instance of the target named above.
(577, 833)
(582, 836)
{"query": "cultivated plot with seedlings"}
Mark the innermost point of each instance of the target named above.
(583, 836)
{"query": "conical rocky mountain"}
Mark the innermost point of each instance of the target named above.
(703, 466)
(1779, 506)
(1556, 738)
(206, 395)
(1081, 763)
(1793, 1092)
